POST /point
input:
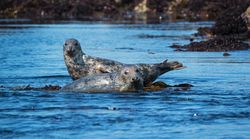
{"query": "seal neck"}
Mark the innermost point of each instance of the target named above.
(74, 63)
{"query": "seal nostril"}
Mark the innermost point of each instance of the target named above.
(135, 79)
(70, 53)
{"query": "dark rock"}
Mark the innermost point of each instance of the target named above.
(226, 54)
(199, 9)
(204, 31)
(229, 29)
(150, 52)
(191, 39)
(230, 21)
(45, 88)
(116, 9)
(217, 44)
(148, 36)
(156, 86)
(50, 88)
(125, 48)
(176, 46)
(183, 85)
(28, 87)
(159, 85)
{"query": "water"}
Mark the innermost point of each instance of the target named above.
(218, 106)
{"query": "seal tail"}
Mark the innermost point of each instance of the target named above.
(166, 66)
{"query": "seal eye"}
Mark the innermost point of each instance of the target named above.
(126, 72)
(75, 43)
(137, 70)
(66, 43)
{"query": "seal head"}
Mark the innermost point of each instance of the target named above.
(73, 59)
(130, 78)
(72, 49)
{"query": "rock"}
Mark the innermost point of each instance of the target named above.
(156, 86)
(182, 87)
(159, 85)
(45, 88)
(230, 21)
(229, 29)
(204, 31)
(117, 9)
(51, 87)
(27, 87)
(217, 44)
(226, 54)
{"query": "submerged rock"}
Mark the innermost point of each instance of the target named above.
(159, 85)
(226, 54)
(156, 86)
(45, 88)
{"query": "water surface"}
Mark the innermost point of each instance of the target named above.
(218, 106)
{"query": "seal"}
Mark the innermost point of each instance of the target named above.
(80, 65)
(128, 79)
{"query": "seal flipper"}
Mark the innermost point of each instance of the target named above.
(166, 66)
(152, 72)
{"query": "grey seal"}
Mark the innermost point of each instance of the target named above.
(128, 79)
(80, 65)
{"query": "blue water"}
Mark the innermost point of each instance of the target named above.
(218, 106)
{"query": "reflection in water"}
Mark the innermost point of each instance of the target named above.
(31, 54)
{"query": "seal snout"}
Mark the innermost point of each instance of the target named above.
(136, 79)
(70, 53)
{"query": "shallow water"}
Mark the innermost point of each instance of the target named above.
(218, 106)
